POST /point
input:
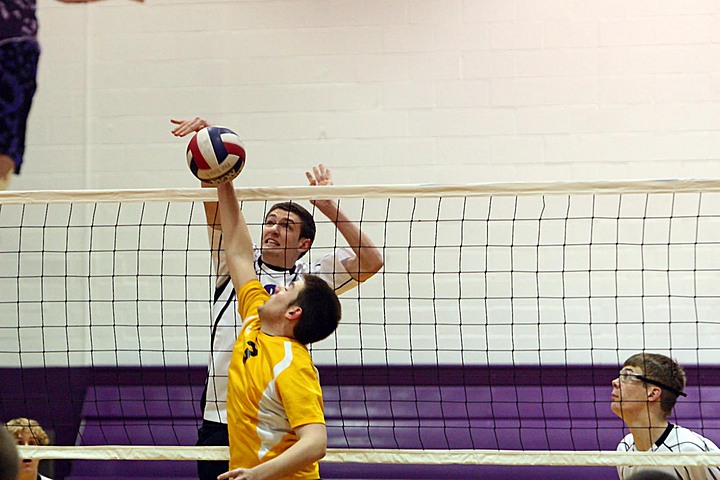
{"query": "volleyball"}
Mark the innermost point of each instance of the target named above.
(215, 155)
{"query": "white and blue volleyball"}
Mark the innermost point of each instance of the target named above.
(216, 155)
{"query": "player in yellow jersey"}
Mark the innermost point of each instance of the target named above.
(276, 420)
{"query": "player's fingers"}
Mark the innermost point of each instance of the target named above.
(311, 178)
(199, 122)
(183, 127)
(230, 475)
(189, 126)
(176, 131)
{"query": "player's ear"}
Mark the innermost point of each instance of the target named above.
(304, 245)
(654, 394)
(293, 313)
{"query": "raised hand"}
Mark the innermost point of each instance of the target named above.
(185, 127)
(320, 176)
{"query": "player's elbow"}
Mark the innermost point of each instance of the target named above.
(313, 437)
(378, 263)
(370, 265)
(319, 451)
(315, 449)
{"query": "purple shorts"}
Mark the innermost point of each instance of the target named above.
(18, 70)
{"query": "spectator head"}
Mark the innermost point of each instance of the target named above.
(28, 432)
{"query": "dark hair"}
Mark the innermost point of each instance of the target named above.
(321, 310)
(664, 370)
(307, 222)
(646, 474)
(9, 457)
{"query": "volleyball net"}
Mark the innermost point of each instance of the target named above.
(501, 316)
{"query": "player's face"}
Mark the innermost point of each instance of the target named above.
(283, 297)
(26, 438)
(629, 393)
(281, 237)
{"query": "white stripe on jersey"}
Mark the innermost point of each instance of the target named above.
(272, 419)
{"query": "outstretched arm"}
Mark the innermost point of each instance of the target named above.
(236, 238)
(212, 212)
(367, 260)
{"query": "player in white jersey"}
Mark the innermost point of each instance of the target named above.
(644, 395)
(288, 234)
(225, 316)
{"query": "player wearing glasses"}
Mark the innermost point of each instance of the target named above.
(644, 395)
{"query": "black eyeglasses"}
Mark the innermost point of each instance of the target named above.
(627, 376)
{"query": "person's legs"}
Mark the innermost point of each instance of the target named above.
(7, 168)
(18, 70)
(212, 434)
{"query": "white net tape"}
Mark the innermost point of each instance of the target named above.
(384, 456)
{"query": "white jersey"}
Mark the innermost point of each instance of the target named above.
(226, 320)
(674, 439)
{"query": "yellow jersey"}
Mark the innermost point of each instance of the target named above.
(273, 388)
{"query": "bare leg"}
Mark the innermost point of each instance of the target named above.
(7, 168)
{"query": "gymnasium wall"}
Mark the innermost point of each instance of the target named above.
(397, 91)
(384, 92)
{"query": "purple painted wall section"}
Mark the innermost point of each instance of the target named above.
(55, 397)
(504, 407)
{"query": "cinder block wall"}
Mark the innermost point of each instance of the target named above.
(384, 91)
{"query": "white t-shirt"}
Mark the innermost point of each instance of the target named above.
(227, 322)
(674, 439)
